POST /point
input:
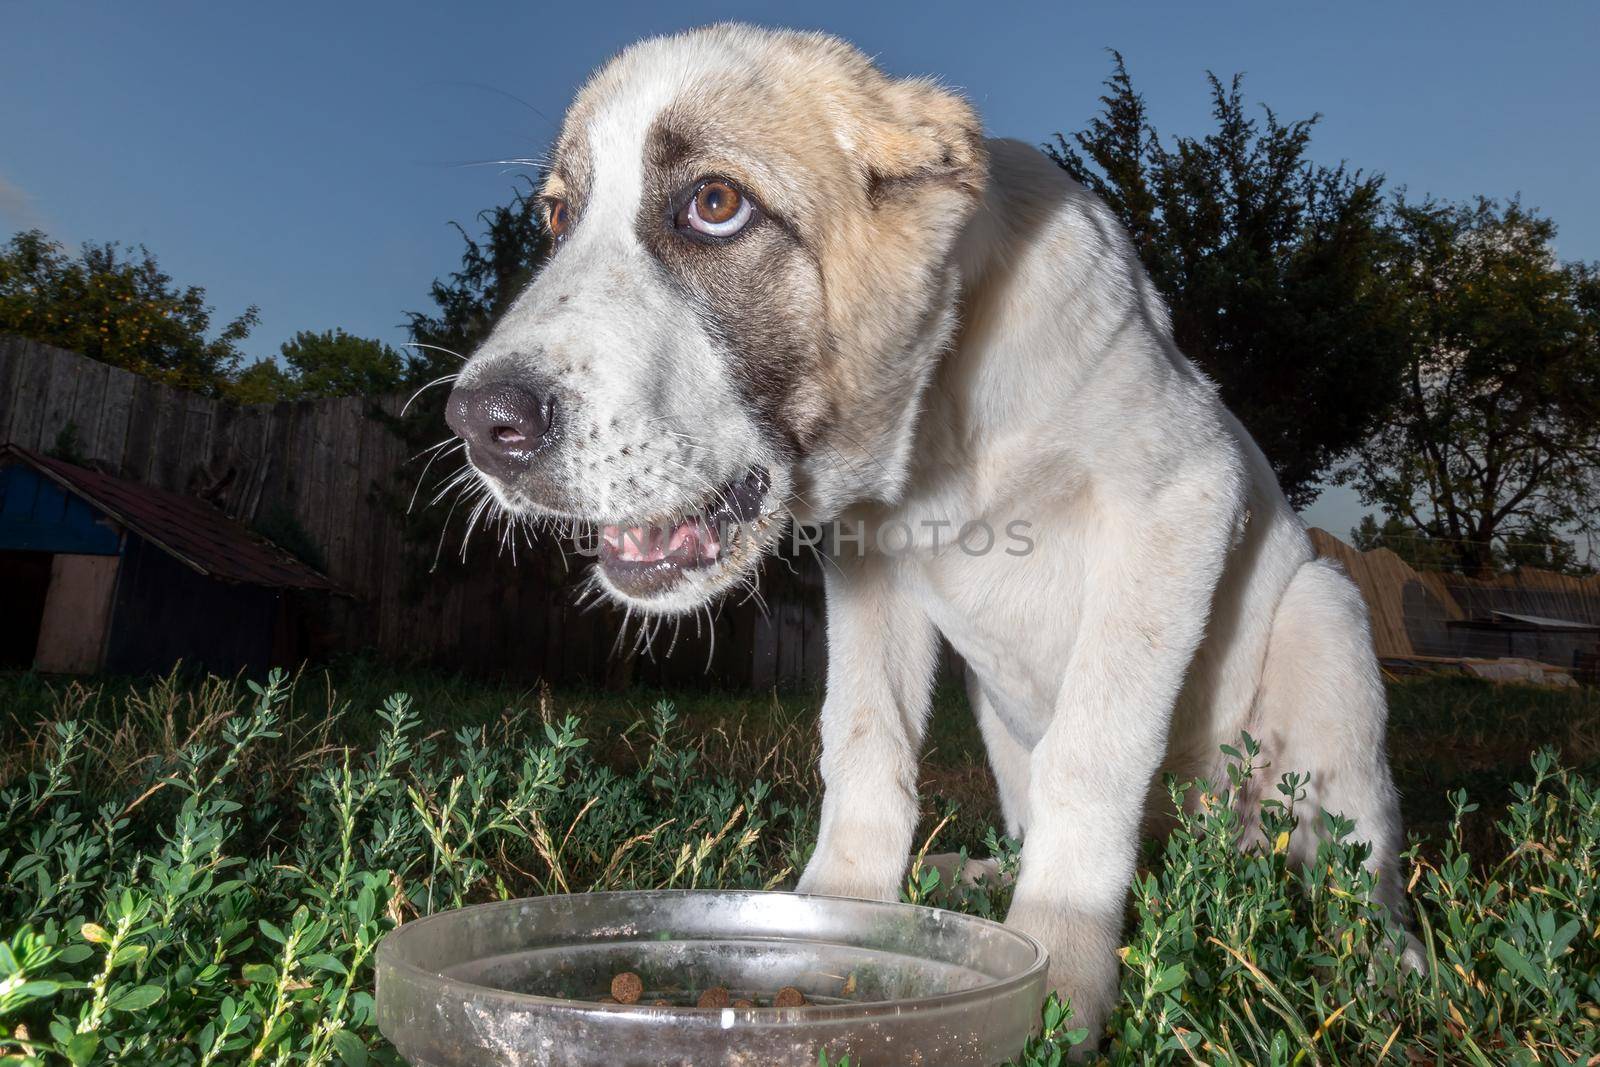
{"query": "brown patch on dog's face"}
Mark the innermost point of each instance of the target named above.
(760, 290)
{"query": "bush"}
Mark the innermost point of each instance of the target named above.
(217, 899)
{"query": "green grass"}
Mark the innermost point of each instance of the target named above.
(771, 735)
(1447, 734)
(197, 873)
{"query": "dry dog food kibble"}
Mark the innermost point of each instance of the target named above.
(789, 997)
(627, 988)
(715, 997)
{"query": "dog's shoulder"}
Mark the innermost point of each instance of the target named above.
(1033, 208)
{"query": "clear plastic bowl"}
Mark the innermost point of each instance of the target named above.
(889, 984)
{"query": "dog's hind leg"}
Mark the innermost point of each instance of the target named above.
(1321, 710)
(1009, 760)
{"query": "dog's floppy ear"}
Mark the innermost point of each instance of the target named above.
(920, 132)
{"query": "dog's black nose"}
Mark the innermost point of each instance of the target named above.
(503, 425)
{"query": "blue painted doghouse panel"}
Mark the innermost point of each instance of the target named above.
(38, 515)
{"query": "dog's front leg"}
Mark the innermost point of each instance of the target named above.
(881, 654)
(1150, 586)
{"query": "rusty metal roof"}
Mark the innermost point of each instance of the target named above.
(186, 527)
(1543, 622)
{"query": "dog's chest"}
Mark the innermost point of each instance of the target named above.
(1012, 619)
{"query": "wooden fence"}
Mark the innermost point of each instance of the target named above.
(341, 472)
(1431, 614)
(339, 469)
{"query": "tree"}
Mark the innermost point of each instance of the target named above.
(494, 271)
(334, 363)
(1270, 264)
(262, 382)
(1422, 552)
(330, 363)
(1494, 447)
(1535, 547)
(119, 307)
(495, 268)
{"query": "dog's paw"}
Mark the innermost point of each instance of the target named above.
(836, 876)
(952, 871)
(1083, 964)
(1413, 957)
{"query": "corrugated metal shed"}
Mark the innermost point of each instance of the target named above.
(187, 528)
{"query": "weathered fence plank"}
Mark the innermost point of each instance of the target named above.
(10, 375)
(32, 390)
(66, 369)
(84, 417)
(138, 454)
(111, 440)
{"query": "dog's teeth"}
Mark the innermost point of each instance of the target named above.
(682, 534)
(656, 541)
(635, 544)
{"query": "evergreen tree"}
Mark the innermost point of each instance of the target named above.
(1271, 265)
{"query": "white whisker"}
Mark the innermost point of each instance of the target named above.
(437, 381)
(424, 475)
(436, 348)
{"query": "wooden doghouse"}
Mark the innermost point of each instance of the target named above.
(103, 573)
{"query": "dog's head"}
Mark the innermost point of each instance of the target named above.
(752, 281)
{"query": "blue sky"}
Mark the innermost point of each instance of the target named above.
(308, 158)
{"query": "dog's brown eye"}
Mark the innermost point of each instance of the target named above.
(717, 202)
(557, 214)
(717, 209)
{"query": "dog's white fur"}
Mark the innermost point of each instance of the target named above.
(1171, 599)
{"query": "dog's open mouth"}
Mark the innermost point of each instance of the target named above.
(650, 558)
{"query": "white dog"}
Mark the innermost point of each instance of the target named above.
(788, 287)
